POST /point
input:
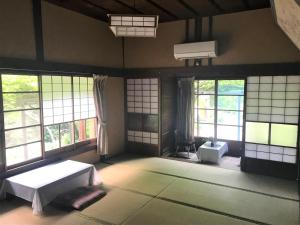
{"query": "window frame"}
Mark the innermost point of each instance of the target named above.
(79, 147)
(216, 109)
(4, 148)
(210, 109)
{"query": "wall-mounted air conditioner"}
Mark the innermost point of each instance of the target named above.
(207, 49)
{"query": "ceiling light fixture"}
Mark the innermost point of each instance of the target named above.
(133, 25)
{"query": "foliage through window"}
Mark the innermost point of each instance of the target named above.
(25, 120)
(21, 109)
(218, 109)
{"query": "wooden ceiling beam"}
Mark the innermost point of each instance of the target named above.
(162, 9)
(217, 6)
(246, 4)
(188, 7)
(129, 7)
(92, 4)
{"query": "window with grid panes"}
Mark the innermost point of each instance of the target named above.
(230, 109)
(218, 109)
(69, 110)
(21, 110)
(33, 105)
(84, 109)
(204, 108)
(57, 111)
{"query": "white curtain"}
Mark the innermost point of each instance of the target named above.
(185, 113)
(99, 85)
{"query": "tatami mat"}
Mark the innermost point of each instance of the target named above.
(234, 202)
(19, 212)
(76, 219)
(157, 164)
(136, 180)
(146, 191)
(237, 179)
(252, 182)
(167, 213)
(116, 206)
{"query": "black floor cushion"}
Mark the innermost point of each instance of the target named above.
(79, 198)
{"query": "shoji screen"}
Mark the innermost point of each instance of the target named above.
(143, 110)
(272, 115)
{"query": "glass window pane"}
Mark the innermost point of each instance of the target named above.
(91, 128)
(58, 119)
(51, 137)
(229, 133)
(204, 86)
(231, 87)
(66, 134)
(57, 87)
(57, 95)
(34, 150)
(231, 102)
(46, 80)
(23, 153)
(76, 80)
(47, 87)
(204, 116)
(204, 101)
(257, 132)
(83, 98)
(20, 101)
(47, 96)
(67, 87)
(22, 136)
(21, 118)
(19, 83)
(83, 84)
(80, 134)
(204, 130)
(67, 95)
(67, 79)
(90, 83)
(284, 134)
(230, 118)
(56, 79)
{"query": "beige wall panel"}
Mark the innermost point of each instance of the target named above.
(70, 37)
(155, 52)
(114, 96)
(252, 37)
(115, 115)
(16, 29)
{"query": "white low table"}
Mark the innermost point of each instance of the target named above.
(40, 186)
(212, 154)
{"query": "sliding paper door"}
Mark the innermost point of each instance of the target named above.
(272, 118)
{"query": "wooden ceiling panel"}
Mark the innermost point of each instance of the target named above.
(204, 8)
(232, 5)
(146, 7)
(114, 6)
(168, 10)
(257, 4)
(178, 7)
(84, 7)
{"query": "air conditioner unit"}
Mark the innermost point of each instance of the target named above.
(207, 49)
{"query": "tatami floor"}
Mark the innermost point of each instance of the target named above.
(144, 191)
(226, 162)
